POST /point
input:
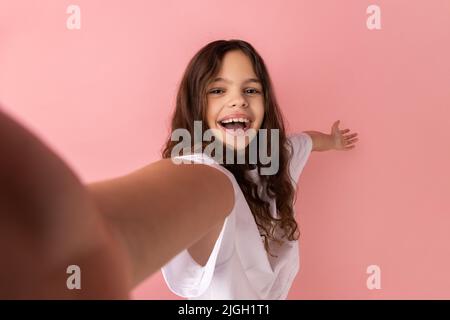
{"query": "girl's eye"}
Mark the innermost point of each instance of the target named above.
(254, 90)
(214, 91)
(248, 91)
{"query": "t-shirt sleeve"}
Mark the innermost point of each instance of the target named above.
(182, 274)
(302, 147)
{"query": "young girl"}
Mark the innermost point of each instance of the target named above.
(253, 253)
(201, 224)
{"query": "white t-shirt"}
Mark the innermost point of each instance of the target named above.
(239, 266)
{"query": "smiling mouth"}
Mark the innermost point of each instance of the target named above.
(232, 126)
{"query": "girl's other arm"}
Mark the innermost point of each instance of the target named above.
(336, 140)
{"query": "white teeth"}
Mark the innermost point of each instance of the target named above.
(235, 120)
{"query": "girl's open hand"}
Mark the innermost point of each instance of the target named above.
(342, 140)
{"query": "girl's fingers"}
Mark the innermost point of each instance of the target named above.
(352, 141)
(348, 140)
(351, 136)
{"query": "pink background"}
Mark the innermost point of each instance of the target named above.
(102, 97)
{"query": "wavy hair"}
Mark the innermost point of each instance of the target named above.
(191, 103)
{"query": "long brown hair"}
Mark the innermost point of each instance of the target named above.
(191, 103)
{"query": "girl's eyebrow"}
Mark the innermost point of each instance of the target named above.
(229, 81)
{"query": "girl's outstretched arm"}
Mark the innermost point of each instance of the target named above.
(117, 231)
(336, 140)
(161, 209)
(48, 223)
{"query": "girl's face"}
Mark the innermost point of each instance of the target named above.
(235, 100)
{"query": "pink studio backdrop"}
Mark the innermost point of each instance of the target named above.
(102, 96)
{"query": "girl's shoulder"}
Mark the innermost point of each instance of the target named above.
(301, 144)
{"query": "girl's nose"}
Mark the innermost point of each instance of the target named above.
(240, 102)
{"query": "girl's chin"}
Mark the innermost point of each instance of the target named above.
(236, 144)
(237, 147)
